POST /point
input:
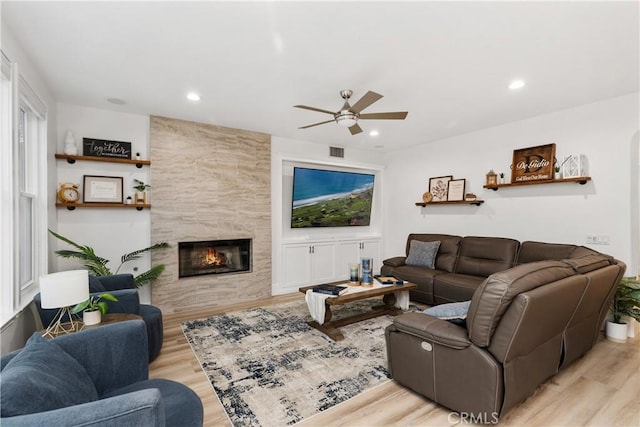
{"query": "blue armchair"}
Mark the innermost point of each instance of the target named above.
(98, 377)
(122, 286)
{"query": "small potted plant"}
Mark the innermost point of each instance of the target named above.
(141, 195)
(501, 177)
(625, 304)
(93, 308)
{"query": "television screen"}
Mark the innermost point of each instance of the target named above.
(326, 198)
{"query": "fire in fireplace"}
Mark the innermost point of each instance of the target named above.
(214, 257)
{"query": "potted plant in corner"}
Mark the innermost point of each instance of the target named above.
(141, 195)
(93, 308)
(626, 303)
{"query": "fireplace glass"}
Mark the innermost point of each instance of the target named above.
(214, 257)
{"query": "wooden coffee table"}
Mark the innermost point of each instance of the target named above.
(330, 327)
(107, 319)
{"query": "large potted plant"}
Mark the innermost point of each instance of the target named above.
(93, 308)
(98, 265)
(625, 304)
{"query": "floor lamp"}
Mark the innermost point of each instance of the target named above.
(63, 290)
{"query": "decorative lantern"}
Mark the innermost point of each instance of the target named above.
(492, 178)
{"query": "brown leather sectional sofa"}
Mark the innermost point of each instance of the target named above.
(535, 308)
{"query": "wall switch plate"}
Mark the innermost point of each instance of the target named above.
(598, 239)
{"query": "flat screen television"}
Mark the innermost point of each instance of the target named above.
(328, 198)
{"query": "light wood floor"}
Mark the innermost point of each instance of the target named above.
(600, 389)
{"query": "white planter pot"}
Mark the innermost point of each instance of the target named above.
(631, 326)
(91, 317)
(617, 332)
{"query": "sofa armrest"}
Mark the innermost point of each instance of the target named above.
(128, 301)
(118, 281)
(114, 355)
(433, 329)
(395, 261)
(139, 408)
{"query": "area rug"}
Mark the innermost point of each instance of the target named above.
(269, 368)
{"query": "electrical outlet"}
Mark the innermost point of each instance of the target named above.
(598, 239)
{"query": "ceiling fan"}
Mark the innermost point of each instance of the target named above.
(348, 115)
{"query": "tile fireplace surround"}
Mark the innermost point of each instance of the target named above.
(209, 183)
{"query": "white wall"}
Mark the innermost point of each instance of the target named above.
(564, 213)
(112, 232)
(285, 153)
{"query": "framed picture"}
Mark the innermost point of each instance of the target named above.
(533, 163)
(102, 189)
(438, 187)
(455, 190)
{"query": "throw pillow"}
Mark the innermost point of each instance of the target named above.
(95, 285)
(422, 254)
(43, 377)
(451, 311)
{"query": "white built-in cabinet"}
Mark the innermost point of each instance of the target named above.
(316, 262)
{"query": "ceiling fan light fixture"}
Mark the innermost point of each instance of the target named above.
(346, 119)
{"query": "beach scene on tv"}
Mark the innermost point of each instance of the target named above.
(325, 198)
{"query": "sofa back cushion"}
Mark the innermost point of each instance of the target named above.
(43, 377)
(584, 260)
(483, 256)
(540, 251)
(494, 296)
(447, 252)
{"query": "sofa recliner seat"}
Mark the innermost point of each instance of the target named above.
(122, 286)
(111, 362)
(524, 324)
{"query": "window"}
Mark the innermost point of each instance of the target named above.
(23, 210)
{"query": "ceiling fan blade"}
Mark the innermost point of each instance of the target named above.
(355, 129)
(368, 99)
(320, 110)
(316, 124)
(398, 115)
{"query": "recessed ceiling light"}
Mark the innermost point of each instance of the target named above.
(192, 96)
(516, 84)
(374, 133)
(116, 101)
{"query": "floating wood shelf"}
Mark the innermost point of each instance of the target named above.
(461, 202)
(72, 206)
(72, 159)
(580, 180)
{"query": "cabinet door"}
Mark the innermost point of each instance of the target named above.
(346, 253)
(323, 263)
(296, 265)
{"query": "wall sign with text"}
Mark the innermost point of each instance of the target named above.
(104, 148)
(533, 163)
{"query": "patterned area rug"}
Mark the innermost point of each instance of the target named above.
(269, 368)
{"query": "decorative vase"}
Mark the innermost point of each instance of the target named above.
(617, 332)
(70, 144)
(91, 317)
(141, 197)
(354, 274)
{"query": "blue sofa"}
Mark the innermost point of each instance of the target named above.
(122, 286)
(97, 377)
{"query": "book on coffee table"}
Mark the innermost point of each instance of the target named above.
(330, 289)
(388, 280)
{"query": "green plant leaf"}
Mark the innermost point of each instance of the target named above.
(108, 297)
(80, 307)
(136, 254)
(103, 307)
(149, 275)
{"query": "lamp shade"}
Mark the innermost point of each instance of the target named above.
(64, 289)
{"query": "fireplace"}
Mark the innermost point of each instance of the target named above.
(214, 257)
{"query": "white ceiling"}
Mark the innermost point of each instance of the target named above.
(447, 63)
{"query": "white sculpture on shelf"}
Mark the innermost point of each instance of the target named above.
(574, 165)
(70, 147)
